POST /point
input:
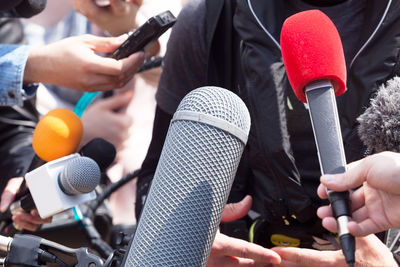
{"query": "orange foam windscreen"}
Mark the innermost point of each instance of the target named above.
(311, 51)
(57, 134)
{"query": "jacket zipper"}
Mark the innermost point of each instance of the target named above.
(359, 51)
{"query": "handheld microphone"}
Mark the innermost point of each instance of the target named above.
(21, 8)
(59, 185)
(314, 60)
(57, 134)
(379, 124)
(193, 178)
(101, 151)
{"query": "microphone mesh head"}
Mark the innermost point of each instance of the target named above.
(191, 184)
(81, 175)
(379, 127)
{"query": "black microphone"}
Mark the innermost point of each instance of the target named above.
(101, 151)
(21, 8)
(379, 128)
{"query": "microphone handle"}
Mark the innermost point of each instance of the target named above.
(35, 163)
(328, 138)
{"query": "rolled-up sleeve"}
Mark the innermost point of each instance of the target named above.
(12, 65)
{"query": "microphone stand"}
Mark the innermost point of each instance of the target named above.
(29, 250)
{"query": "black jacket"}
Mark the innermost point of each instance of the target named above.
(16, 123)
(243, 59)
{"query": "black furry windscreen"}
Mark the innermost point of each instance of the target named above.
(379, 127)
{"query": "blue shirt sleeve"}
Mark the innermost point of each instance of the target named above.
(12, 65)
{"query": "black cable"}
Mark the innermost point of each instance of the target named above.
(59, 261)
(46, 256)
(114, 187)
(152, 63)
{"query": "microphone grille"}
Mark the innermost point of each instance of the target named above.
(219, 103)
(191, 184)
(81, 175)
(379, 127)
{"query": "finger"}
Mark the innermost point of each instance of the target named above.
(234, 211)
(123, 69)
(131, 64)
(8, 195)
(363, 228)
(357, 198)
(35, 213)
(20, 223)
(330, 224)
(26, 217)
(306, 257)
(115, 102)
(324, 211)
(360, 214)
(354, 176)
(246, 250)
(228, 261)
(322, 191)
(103, 44)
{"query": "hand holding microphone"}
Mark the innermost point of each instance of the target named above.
(313, 56)
(375, 204)
(26, 220)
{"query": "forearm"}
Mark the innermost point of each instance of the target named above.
(13, 60)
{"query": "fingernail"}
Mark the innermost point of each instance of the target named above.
(327, 178)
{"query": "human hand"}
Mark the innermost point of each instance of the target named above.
(375, 204)
(102, 120)
(370, 251)
(117, 18)
(228, 251)
(73, 63)
(30, 221)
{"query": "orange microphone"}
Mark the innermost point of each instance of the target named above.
(56, 135)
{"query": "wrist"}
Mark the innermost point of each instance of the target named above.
(34, 71)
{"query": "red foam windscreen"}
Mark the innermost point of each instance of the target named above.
(311, 51)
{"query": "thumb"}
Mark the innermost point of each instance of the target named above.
(234, 211)
(104, 44)
(8, 195)
(355, 175)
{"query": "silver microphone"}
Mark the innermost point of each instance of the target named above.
(192, 181)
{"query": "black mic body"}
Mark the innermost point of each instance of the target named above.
(21, 8)
(193, 178)
(101, 151)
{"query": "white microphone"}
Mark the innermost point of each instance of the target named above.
(62, 184)
(192, 181)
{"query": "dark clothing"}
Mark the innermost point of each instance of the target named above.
(230, 49)
(16, 123)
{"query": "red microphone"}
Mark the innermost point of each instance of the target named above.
(314, 60)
